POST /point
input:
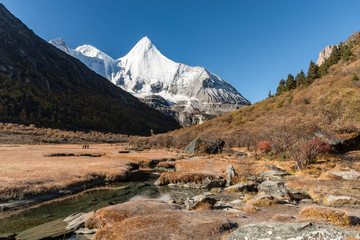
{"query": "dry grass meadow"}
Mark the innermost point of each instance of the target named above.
(27, 170)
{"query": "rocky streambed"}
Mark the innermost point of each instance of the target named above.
(46, 220)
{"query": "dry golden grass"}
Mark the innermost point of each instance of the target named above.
(334, 216)
(185, 177)
(332, 103)
(250, 209)
(203, 206)
(166, 164)
(263, 202)
(26, 171)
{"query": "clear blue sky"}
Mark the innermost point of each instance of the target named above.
(250, 44)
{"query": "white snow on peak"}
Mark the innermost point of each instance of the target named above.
(144, 71)
(60, 43)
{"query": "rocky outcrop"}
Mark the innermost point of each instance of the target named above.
(325, 54)
(341, 200)
(242, 187)
(298, 231)
(209, 147)
(199, 201)
(155, 219)
(273, 174)
(230, 173)
(353, 39)
(273, 188)
(193, 146)
(77, 220)
(180, 111)
(347, 175)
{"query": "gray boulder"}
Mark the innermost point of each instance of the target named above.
(276, 189)
(196, 201)
(298, 231)
(230, 173)
(215, 146)
(341, 200)
(273, 174)
(350, 175)
(193, 146)
(76, 220)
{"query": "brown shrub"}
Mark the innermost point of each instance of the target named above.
(250, 209)
(185, 177)
(334, 216)
(166, 164)
(118, 174)
(263, 202)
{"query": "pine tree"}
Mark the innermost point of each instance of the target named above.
(312, 74)
(281, 88)
(290, 82)
(269, 94)
(300, 79)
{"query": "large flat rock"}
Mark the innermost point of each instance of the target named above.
(298, 231)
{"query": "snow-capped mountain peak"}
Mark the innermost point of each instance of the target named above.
(91, 51)
(143, 46)
(60, 43)
(145, 72)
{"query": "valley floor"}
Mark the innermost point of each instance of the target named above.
(33, 173)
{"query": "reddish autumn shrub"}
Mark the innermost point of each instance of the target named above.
(321, 146)
(264, 146)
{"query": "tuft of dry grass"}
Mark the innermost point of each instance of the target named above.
(185, 177)
(334, 216)
(250, 209)
(166, 164)
(262, 202)
(203, 206)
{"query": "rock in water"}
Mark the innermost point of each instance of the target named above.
(298, 231)
(193, 146)
(76, 221)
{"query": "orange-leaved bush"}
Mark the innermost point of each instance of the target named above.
(264, 146)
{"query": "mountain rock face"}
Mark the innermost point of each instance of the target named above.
(354, 40)
(191, 95)
(42, 85)
(325, 54)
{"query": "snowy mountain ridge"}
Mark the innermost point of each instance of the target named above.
(190, 92)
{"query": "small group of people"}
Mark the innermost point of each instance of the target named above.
(85, 146)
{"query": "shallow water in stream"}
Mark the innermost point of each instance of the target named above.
(140, 186)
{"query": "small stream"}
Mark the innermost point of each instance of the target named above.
(141, 185)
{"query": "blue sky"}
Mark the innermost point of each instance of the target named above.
(250, 44)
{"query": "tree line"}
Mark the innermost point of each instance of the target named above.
(342, 51)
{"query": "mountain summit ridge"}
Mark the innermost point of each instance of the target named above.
(193, 94)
